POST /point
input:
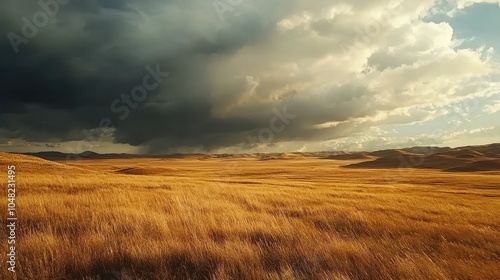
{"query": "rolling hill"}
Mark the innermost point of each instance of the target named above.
(462, 159)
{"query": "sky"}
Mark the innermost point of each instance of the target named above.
(233, 76)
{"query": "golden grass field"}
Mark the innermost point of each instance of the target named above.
(243, 218)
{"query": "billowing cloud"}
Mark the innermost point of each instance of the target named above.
(249, 75)
(462, 4)
(493, 108)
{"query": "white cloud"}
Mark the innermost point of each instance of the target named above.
(462, 4)
(492, 108)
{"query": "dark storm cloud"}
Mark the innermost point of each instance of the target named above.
(65, 79)
(52, 89)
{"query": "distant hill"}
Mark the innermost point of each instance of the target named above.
(348, 156)
(413, 150)
(31, 164)
(461, 159)
(70, 156)
(482, 165)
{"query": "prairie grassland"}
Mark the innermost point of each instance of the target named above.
(249, 219)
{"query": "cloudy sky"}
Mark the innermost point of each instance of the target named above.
(165, 76)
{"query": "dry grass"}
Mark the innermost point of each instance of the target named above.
(248, 219)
